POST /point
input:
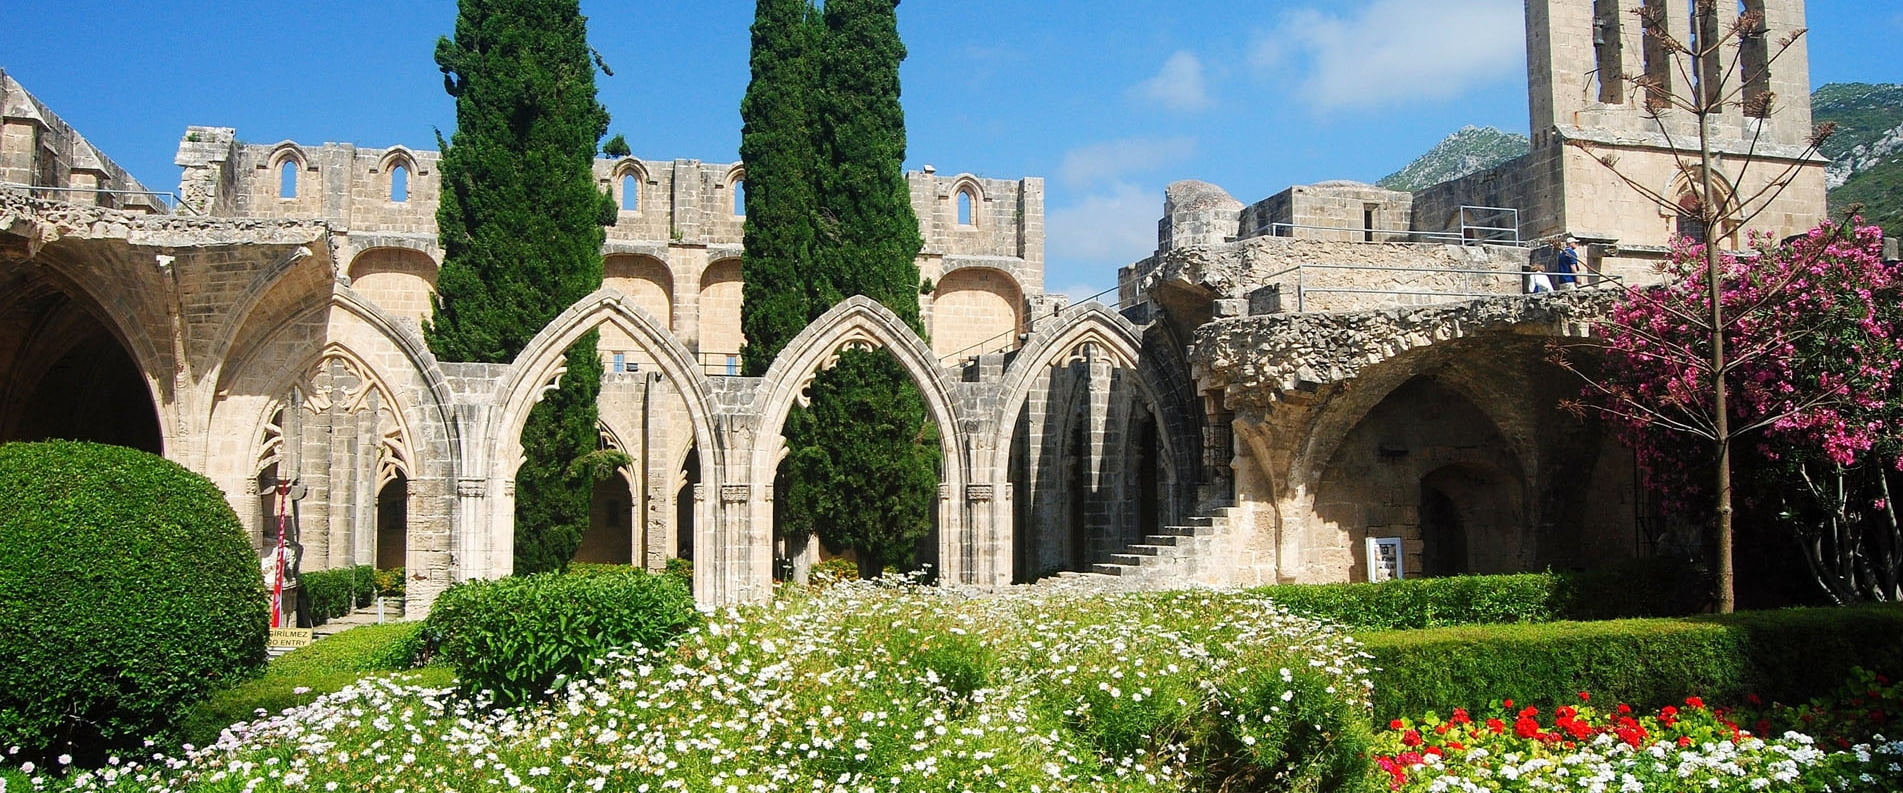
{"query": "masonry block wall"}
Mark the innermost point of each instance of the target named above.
(39, 149)
(675, 245)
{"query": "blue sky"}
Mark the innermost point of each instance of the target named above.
(1109, 100)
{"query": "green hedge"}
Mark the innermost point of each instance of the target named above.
(333, 593)
(1647, 588)
(304, 674)
(517, 636)
(1788, 656)
(127, 593)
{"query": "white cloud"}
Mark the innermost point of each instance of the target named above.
(1109, 161)
(1106, 229)
(1179, 85)
(1393, 51)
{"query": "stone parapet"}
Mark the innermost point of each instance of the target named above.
(1257, 360)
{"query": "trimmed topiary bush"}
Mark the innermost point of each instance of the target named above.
(127, 593)
(516, 637)
(1789, 656)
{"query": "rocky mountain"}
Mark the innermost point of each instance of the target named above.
(1866, 152)
(1466, 151)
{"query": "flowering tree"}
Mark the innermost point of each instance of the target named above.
(1716, 75)
(1815, 340)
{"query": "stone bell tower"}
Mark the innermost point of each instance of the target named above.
(1587, 105)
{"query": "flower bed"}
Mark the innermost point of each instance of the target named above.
(863, 687)
(1578, 747)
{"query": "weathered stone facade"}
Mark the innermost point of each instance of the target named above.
(1283, 382)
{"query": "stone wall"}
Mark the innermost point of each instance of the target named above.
(39, 149)
(674, 245)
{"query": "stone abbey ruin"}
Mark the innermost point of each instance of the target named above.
(1283, 390)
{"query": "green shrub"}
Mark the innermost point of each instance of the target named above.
(1788, 655)
(1642, 588)
(390, 583)
(1657, 587)
(127, 593)
(833, 571)
(517, 636)
(681, 570)
(304, 674)
(334, 593)
(597, 568)
(1424, 602)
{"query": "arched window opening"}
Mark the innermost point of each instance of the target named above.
(684, 505)
(630, 193)
(1691, 217)
(1755, 55)
(740, 197)
(399, 184)
(1608, 50)
(964, 208)
(287, 179)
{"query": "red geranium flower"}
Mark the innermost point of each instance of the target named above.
(1694, 702)
(1585, 696)
(1396, 724)
(1411, 738)
(1497, 726)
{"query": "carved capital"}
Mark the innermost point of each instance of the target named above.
(979, 492)
(735, 494)
(700, 492)
(471, 488)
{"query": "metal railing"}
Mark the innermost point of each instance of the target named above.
(715, 364)
(170, 202)
(1368, 233)
(1466, 290)
(1478, 225)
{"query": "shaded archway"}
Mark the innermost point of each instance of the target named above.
(69, 367)
(91, 392)
(1427, 466)
(393, 523)
(610, 537)
(1084, 442)
(645, 280)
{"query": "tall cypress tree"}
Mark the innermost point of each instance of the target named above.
(862, 460)
(520, 223)
(869, 237)
(779, 151)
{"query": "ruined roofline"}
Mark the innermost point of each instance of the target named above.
(74, 154)
(40, 221)
(212, 134)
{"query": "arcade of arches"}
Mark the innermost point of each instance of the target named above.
(245, 352)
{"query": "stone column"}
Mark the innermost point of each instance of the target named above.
(992, 553)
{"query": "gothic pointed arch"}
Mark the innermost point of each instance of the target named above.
(1091, 324)
(861, 322)
(540, 364)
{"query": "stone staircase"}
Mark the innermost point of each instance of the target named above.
(1176, 556)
